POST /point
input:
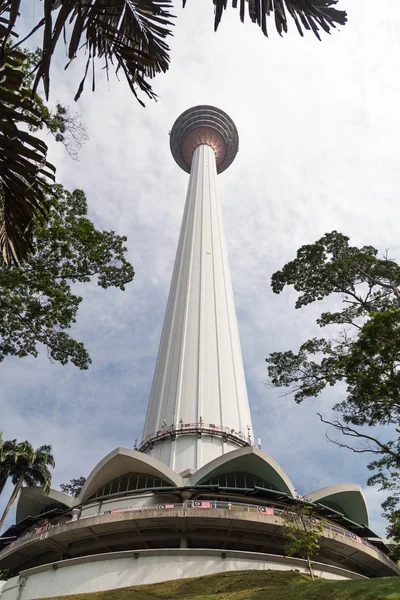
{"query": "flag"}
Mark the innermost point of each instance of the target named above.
(265, 510)
(201, 504)
(166, 505)
(355, 537)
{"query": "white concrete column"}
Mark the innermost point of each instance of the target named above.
(199, 378)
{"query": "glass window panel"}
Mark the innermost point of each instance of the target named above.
(114, 486)
(141, 482)
(133, 481)
(123, 483)
(240, 481)
(230, 480)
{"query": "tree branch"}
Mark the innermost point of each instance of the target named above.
(346, 430)
(388, 286)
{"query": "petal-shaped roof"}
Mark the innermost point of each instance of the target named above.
(33, 500)
(249, 460)
(121, 461)
(347, 498)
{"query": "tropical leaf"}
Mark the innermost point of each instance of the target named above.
(25, 175)
(308, 14)
(128, 34)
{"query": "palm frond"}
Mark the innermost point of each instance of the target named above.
(25, 175)
(307, 14)
(128, 34)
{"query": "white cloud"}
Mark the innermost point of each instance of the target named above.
(319, 151)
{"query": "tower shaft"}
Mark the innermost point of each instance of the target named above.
(198, 407)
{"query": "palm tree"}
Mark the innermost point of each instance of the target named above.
(30, 468)
(8, 457)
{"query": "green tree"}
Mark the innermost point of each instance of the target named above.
(8, 457)
(363, 353)
(130, 37)
(31, 468)
(37, 304)
(303, 530)
(74, 487)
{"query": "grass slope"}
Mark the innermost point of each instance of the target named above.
(254, 585)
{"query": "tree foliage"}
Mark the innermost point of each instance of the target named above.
(74, 487)
(6, 574)
(363, 353)
(25, 174)
(308, 14)
(303, 530)
(30, 468)
(129, 35)
(9, 454)
(37, 304)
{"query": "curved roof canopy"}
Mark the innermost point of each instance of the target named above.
(33, 500)
(347, 498)
(121, 461)
(249, 460)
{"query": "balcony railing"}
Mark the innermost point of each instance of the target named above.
(41, 532)
(199, 429)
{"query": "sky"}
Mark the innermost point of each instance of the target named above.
(318, 128)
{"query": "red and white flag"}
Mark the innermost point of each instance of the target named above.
(265, 510)
(201, 504)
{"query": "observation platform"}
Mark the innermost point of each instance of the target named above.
(207, 524)
(208, 125)
(197, 429)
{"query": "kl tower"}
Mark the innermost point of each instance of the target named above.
(197, 497)
(198, 407)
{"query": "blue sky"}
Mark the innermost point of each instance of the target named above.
(319, 130)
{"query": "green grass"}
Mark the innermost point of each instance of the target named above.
(254, 585)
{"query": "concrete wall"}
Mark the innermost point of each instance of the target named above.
(123, 569)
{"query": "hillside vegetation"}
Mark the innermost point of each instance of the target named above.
(254, 585)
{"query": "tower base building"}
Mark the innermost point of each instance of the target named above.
(197, 497)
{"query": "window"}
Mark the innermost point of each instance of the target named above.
(127, 483)
(238, 480)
